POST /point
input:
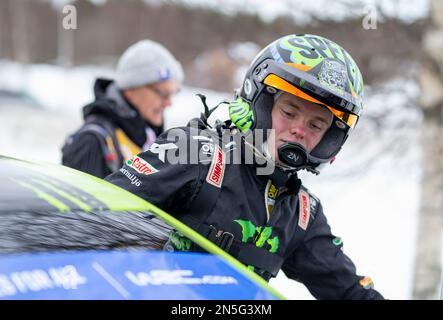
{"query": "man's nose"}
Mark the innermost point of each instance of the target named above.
(298, 129)
(167, 102)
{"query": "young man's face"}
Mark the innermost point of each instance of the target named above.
(151, 100)
(297, 120)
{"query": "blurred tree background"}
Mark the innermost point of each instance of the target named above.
(202, 38)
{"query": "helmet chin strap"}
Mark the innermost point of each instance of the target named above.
(266, 154)
(288, 153)
(295, 156)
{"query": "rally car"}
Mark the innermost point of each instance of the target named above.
(67, 235)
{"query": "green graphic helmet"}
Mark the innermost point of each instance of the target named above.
(310, 67)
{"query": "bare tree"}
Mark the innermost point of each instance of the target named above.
(65, 37)
(18, 13)
(427, 263)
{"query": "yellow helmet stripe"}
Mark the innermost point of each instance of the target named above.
(281, 84)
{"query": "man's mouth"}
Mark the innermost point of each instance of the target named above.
(287, 141)
(283, 141)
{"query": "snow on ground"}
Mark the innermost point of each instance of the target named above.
(370, 196)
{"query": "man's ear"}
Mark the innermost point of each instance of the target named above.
(128, 93)
(131, 95)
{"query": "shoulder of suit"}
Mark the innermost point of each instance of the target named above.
(314, 201)
(188, 145)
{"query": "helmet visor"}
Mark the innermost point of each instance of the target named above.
(275, 81)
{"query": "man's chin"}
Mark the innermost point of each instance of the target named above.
(155, 122)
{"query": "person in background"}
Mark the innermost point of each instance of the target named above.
(127, 114)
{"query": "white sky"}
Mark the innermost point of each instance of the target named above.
(301, 9)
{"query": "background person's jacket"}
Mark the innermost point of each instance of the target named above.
(112, 132)
(267, 222)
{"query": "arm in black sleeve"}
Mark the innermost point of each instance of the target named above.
(320, 264)
(154, 177)
(85, 153)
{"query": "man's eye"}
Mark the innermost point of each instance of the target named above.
(317, 127)
(287, 114)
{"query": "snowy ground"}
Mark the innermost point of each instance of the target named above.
(370, 197)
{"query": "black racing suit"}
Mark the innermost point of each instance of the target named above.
(271, 230)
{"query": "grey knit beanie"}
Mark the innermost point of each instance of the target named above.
(146, 62)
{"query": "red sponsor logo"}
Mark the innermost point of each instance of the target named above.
(303, 218)
(141, 166)
(217, 169)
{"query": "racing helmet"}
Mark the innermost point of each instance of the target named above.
(310, 67)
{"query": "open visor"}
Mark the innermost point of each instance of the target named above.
(275, 81)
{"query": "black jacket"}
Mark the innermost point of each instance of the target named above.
(270, 232)
(83, 150)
